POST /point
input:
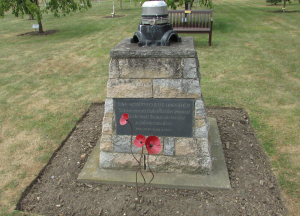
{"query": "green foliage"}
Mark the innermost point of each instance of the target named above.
(5, 5)
(273, 1)
(20, 8)
(31, 7)
(67, 6)
(178, 3)
(175, 3)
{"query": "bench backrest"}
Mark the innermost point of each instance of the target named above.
(195, 19)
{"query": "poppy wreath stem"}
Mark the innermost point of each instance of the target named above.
(139, 162)
(131, 143)
(141, 167)
(149, 170)
(153, 146)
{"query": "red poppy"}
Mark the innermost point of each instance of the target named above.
(124, 119)
(153, 145)
(139, 141)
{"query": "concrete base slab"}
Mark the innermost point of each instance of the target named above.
(217, 179)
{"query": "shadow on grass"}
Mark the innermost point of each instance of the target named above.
(36, 33)
(280, 11)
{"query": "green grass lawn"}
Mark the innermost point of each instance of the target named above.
(48, 82)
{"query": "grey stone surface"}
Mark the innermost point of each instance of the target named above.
(198, 150)
(201, 132)
(218, 178)
(207, 124)
(106, 159)
(204, 146)
(206, 164)
(109, 106)
(114, 69)
(198, 68)
(106, 143)
(169, 146)
(129, 88)
(199, 121)
(176, 88)
(179, 164)
(197, 62)
(107, 127)
(200, 107)
(190, 69)
(190, 157)
(117, 161)
(188, 160)
(185, 49)
(157, 163)
(205, 152)
(162, 143)
(122, 144)
(150, 68)
(185, 146)
(202, 126)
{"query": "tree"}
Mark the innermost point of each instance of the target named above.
(121, 5)
(188, 3)
(273, 1)
(31, 7)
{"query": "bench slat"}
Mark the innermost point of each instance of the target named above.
(191, 29)
(201, 23)
(198, 21)
(179, 21)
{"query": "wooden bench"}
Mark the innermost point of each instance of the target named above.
(195, 21)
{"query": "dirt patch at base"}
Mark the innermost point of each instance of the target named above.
(254, 189)
(36, 33)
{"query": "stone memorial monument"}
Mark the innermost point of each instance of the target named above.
(158, 84)
(159, 87)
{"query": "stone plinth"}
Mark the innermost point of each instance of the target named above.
(165, 73)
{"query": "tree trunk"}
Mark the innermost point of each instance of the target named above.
(188, 5)
(40, 27)
(121, 4)
(38, 17)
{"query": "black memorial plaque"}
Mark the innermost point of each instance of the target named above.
(159, 117)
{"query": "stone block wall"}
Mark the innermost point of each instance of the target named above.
(156, 72)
